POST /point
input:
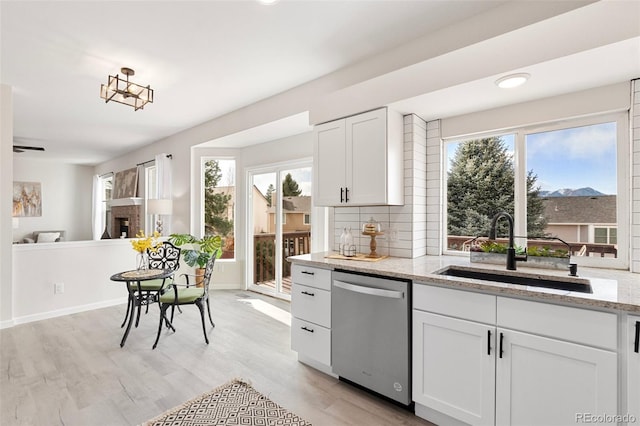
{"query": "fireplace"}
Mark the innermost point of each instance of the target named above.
(125, 220)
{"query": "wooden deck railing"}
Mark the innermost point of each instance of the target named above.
(577, 249)
(264, 251)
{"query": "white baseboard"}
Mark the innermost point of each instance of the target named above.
(7, 324)
(61, 312)
(436, 417)
(225, 286)
(326, 369)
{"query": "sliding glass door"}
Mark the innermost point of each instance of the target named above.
(279, 224)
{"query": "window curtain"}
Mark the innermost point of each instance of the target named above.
(97, 213)
(163, 185)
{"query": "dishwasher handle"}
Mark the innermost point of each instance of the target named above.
(372, 291)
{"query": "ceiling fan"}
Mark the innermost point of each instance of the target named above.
(23, 148)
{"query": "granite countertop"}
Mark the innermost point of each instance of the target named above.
(612, 289)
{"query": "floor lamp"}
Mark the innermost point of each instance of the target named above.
(159, 207)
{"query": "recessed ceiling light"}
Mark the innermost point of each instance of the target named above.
(267, 2)
(512, 80)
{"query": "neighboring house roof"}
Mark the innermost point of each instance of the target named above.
(257, 190)
(588, 209)
(301, 204)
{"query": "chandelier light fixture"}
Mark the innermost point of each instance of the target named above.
(125, 92)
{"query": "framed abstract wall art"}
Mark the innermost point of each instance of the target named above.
(27, 199)
(125, 184)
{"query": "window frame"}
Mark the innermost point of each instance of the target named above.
(203, 160)
(623, 155)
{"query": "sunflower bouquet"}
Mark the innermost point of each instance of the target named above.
(145, 242)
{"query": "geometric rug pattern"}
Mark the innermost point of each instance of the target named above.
(234, 403)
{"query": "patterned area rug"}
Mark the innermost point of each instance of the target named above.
(234, 403)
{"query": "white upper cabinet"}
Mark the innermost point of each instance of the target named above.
(358, 160)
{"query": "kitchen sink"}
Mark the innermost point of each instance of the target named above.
(533, 280)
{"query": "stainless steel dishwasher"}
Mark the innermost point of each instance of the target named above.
(370, 333)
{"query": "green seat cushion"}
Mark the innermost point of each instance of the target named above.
(185, 295)
(151, 285)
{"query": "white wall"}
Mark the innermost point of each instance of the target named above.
(66, 197)
(6, 188)
(84, 267)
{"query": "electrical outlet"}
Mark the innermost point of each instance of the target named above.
(58, 288)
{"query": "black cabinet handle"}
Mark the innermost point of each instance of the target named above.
(488, 342)
(310, 330)
(341, 195)
(636, 344)
(308, 294)
(308, 273)
(346, 195)
(501, 339)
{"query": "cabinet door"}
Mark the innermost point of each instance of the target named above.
(633, 376)
(454, 367)
(311, 304)
(311, 340)
(329, 163)
(366, 158)
(542, 381)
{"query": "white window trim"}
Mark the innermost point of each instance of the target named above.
(623, 199)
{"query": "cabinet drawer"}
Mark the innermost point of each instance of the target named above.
(577, 325)
(311, 304)
(311, 340)
(313, 277)
(455, 303)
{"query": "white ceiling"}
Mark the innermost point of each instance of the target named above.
(205, 59)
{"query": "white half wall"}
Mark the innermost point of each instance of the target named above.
(83, 267)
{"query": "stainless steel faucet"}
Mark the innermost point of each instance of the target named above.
(511, 250)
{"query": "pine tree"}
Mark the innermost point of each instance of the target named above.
(290, 187)
(215, 203)
(480, 184)
(270, 190)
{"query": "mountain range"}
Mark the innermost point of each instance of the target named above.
(568, 192)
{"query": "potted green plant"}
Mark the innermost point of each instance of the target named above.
(197, 251)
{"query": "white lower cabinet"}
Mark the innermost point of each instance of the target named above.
(311, 312)
(542, 381)
(530, 364)
(454, 367)
(311, 340)
(633, 369)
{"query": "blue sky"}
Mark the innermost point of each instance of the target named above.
(570, 158)
(575, 158)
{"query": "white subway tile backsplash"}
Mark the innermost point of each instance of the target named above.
(374, 210)
(407, 208)
(341, 209)
(400, 217)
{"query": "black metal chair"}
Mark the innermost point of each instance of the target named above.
(187, 294)
(166, 256)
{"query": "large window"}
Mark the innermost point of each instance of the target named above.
(562, 180)
(219, 202)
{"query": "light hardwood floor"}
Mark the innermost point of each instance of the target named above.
(71, 370)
